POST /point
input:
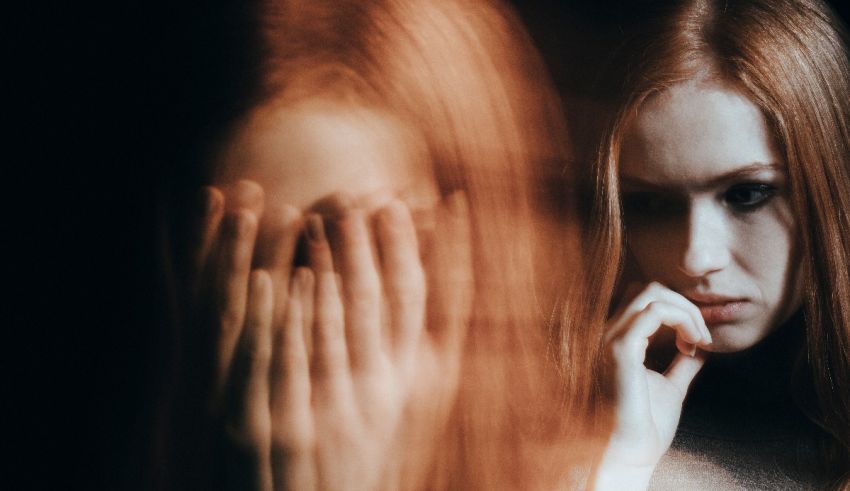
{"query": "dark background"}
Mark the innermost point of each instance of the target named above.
(108, 106)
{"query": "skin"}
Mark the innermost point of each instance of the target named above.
(322, 372)
(707, 209)
(710, 229)
(301, 153)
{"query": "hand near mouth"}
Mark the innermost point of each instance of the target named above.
(647, 404)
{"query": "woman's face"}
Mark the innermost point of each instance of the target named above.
(707, 211)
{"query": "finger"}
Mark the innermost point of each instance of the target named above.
(249, 419)
(276, 244)
(451, 272)
(318, 249)
(683, 369)
(306, 294)
(403, 276)
(231, 286)
(658, 292)
(649, 320)
(330, 354)
(292, 385)
(330, 357)
(361, 288)
(677, 299)
(245, 194)
(293, 426)
(213, 209)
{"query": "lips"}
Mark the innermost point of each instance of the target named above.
(719, 309)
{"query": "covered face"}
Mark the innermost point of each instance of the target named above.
(303, 152)
(707, 209)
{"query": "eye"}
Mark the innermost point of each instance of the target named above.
(748, 197)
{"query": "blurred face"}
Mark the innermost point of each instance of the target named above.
(707, 211)
(304, 152)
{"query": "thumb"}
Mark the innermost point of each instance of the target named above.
(683, 369)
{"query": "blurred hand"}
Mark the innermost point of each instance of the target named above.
(342, 374)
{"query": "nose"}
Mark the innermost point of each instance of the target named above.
(706, 242)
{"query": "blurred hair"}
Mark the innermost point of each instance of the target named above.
(790, 58)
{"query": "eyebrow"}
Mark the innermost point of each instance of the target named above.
(740, 172)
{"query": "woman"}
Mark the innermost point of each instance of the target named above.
(399, 105)
(723, 184)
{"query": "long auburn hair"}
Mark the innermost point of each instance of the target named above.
(791, 58)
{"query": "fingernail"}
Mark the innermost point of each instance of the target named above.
(315, 228)
(692, 351)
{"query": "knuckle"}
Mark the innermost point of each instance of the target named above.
(654, 308)
(655, 287)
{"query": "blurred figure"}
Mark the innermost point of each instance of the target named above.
(389, 140)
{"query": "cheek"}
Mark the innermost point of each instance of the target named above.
(652, 250)
(767, 250)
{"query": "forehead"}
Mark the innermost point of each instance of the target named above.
(695, 131)
(302, 153)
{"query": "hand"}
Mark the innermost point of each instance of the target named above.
(233, 313)
(314, 376)
(647, 404)
(382, 377)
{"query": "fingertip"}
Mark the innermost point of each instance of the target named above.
(248, 194)
(212, 201)
(685, 347)
(392, 217)
(281, 216)
(708, 338)
(289, 215)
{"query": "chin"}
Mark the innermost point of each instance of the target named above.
(731, 338)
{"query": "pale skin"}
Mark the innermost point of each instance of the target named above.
(325, 371)
(710, 228)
